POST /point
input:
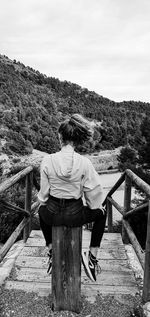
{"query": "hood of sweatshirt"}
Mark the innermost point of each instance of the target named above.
(65, 162)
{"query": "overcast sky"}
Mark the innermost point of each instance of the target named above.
(103, 45)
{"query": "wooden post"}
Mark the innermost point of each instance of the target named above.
(127, 203)
(146, 284)
(28, 197)
(66, 268)
(110, 217)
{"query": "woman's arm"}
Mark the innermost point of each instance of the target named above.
(94, 197)
(43, 194)
(92, 187)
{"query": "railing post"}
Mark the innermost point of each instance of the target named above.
(146, 284)
(28, 197)
(127, 203)
(110, 216)
(66, 268)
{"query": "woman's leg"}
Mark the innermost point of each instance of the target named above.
(98, 217)
(46, 228)
(90, 262)
(97, 231)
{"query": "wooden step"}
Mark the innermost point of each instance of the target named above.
(30, 270)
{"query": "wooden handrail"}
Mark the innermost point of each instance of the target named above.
(25, 224)
(11, 240)
(139, 182)
(115, 187)
(116, 205)
(135, 211)
(131, 179)
(128, 176)
(135, 243)
(15, 179)
(10, 207)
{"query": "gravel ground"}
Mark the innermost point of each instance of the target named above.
(15, 303)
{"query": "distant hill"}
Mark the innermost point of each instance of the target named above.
(32, 105)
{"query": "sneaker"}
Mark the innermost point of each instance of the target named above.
(49, 270)
(85, 262)
(94, 266)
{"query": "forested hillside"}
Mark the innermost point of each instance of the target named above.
(32, 105)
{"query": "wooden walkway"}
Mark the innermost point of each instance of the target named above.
(30, 269)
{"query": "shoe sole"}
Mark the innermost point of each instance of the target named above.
(86, 267)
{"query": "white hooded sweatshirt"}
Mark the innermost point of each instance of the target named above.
(67, 174)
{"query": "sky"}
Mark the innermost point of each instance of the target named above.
(102, 45)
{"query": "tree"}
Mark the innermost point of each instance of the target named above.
(144, 149)
(127, 158)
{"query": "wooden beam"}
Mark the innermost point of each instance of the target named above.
(146, 284)
(9, 207)
(134, 242)
(28, 197)
(116, 205)
(14, 179)
(139, 182)
(13, 238)
(135, 210)
(110, 216)
(115, 187)
(66, 268)
(127, 203)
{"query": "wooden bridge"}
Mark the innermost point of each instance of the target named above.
(29, 269)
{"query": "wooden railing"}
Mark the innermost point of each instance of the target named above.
(28, 211)
(128, 177)
(130, 180)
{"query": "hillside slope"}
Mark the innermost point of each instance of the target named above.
(32, 105)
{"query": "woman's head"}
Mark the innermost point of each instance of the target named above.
(75, 130)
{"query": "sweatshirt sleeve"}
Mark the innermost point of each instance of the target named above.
(43, 194)
(92, 187)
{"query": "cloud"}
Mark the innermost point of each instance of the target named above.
(103, 45)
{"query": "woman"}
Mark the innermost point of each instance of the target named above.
(65, 177)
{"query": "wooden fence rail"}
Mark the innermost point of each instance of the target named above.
(127, 233)
(131, 179)
(28, 211)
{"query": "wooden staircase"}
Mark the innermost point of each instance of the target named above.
(29, 272)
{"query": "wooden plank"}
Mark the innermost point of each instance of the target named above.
(87, 290)
(41, 262)
(32, 261)
(34, 251)
(36, 234)
(106, 245)
(107, 236)
(44, 289)
(114, 265)
(31, 274)
(109, 278)
(86, 234)
(103, 253)
(111, 254)
(105, 278)
(35, 242)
